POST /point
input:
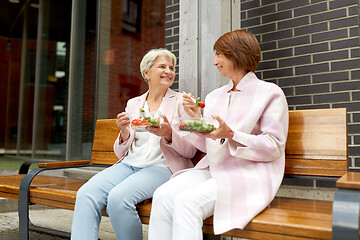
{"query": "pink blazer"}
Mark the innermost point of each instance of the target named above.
(178, 154)
(249, 168)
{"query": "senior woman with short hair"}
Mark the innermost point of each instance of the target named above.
(146, 159)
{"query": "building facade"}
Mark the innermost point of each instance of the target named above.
(66, 64)
(310, 48)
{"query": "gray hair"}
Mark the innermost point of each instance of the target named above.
(148, 60)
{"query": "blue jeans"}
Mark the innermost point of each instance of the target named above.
(119, 188)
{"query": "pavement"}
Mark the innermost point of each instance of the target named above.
(43, 216)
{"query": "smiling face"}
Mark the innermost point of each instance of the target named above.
(162, 73)
(225, 65)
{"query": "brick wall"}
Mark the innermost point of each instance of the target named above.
(310, 48)
(172, 33)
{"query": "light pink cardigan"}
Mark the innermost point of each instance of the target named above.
(249, 168)
(178, 154)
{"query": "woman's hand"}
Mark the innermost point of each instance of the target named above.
(190, 106)
(223, 131)
(164, 130)
(123, 122)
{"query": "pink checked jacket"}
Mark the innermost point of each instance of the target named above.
(249, 168)
(178, 155)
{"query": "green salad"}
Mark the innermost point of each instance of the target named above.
(153, 121)
(197, 126)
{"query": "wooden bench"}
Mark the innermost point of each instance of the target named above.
(316, 148)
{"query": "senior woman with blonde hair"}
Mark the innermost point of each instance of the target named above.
(245, 156)
(146, 159)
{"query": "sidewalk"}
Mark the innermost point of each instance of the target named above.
(54, 218)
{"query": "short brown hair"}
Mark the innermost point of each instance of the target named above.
(241, 47)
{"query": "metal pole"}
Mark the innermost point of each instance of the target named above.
(73, 40)
(97, 61)
(37, 77)
(22, 79)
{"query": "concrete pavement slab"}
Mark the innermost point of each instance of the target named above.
(59, 219)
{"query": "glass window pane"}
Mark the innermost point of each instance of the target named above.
(51, 79)
(38, 77)
(20, 99)
(63, 79)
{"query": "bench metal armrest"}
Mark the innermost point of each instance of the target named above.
(24, 168)
(24, 195)
(346, 207)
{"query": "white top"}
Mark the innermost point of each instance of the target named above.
(145, 149)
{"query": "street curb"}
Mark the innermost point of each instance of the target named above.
(8, 205)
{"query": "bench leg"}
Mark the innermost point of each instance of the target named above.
(23, 206)
(24, 202)
(23, 210)
(345, 216)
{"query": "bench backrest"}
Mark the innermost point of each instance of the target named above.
(106, 131)
(316, 145)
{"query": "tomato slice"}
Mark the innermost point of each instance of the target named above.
(144, 122)
(201, 104)
(136, 122)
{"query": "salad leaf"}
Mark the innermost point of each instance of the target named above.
(154, 121)
(197, 126)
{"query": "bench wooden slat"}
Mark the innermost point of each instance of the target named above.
(349, 180)
(10, 189)
(11, 179)
(317, 135)
(5, 193)
(54, 188)
(103, 158)
(324, 167)
(105, 134)
(301, 205)
(318, 164)
(52, 203)
(259, 235)
(317, 172)
(53, 182)
(294, 217)
(47, 190)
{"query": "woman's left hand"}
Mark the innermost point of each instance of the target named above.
(223, 131)
(164, 130)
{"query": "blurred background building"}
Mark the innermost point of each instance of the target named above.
(66, 63)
